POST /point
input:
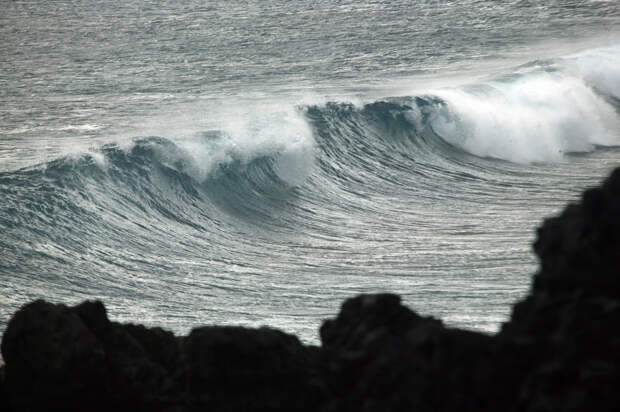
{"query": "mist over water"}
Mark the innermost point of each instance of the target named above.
(258, 163)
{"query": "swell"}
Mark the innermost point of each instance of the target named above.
(153, 178)
(408, 145)
(192, 182)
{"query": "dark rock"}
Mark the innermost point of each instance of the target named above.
(239, 369)
(52, 356)
(572, 361)
(54, 353)
(383, 357)
(4, 401)
(580, 249)
(74, 358)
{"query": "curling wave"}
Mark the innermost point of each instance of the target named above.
(540, 112)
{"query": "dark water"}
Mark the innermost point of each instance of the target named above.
(256, 163)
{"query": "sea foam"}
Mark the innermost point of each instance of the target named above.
(240, 135)
(599, 68)
(537, 115)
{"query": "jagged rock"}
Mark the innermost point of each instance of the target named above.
(240, 369)
(55, 353)
(580, 248)
(52, 356)
(568, 325)
(4, 401)
(381, 356)
(74, 358)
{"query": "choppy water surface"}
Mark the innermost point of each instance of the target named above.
(257, 163)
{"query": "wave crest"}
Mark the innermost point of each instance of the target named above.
(535, 117)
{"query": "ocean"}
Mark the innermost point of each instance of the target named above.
(256, 163)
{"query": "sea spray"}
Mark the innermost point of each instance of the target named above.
(532, 117)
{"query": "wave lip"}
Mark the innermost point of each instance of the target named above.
(533, 116)
(599, 68)
(283, 136)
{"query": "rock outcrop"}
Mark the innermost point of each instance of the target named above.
(74, 358)
(380, 356)
(560, 351)
(565, 332)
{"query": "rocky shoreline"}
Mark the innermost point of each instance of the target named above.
(560, 351)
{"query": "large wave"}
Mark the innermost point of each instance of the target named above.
(539, 112)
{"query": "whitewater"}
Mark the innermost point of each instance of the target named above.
(257, 163)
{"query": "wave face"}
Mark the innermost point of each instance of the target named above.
(187, 171)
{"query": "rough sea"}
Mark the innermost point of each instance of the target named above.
(257, 162)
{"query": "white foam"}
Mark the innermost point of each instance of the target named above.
(532, 117)
(98, 158)
(78, 152)
(241, 133)
(78, 127)
(600, 68)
